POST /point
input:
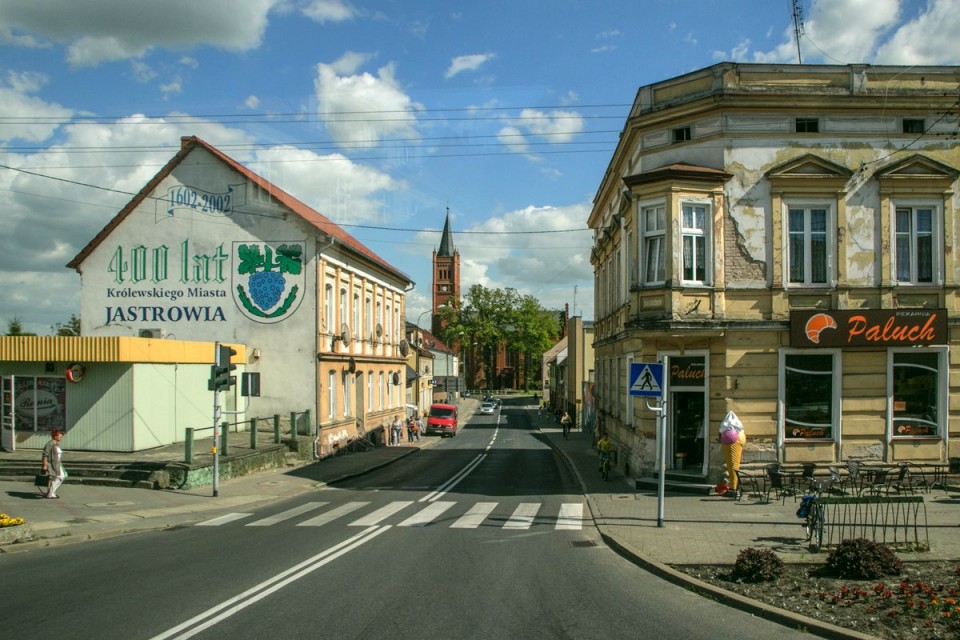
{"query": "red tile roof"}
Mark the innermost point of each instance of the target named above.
(318, 220)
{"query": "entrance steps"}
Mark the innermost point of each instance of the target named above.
(677, 482)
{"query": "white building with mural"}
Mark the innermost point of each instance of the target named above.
(209, 251)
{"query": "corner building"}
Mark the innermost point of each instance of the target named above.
(786, 235)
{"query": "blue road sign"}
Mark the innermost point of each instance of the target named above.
(646, 379)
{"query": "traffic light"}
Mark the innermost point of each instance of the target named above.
(220, 377)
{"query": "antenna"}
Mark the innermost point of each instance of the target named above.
(798, 26)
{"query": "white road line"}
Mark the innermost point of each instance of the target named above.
(230, 517)
(381, 514)
(333, 514)
(265, 588)
(286, 515)
(426, 515)
(475, 517)
(522, 516)
(454, 481)
(571, 517)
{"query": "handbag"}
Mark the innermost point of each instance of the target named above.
(41, 480)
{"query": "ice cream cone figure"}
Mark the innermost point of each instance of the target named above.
(732, 437)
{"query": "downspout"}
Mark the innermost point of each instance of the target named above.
(316, 337)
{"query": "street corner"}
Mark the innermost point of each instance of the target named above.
(15, 534)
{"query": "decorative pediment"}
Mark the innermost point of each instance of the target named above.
(918, 166)
(809, 166)
(917, 174)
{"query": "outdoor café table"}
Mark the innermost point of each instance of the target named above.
(877, 478)
(793, 482)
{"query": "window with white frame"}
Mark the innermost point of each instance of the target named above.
(370, 391)
(695, 238)
(915, 261)
(332, 393)
(810, 393)
(328, 308)
(368, 319)
(653, 237)
(347, 394)
(356, 313)
(380, 391)
(915, 379)
(809, 257)
(344, 311)
(631, 262)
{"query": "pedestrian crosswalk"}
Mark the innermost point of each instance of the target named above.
(402, 513)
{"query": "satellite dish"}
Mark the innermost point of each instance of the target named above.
(379, 329)
(352, 365)
(404, 348)
(396, 377)
(345, 336)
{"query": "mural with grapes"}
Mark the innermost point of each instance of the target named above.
(268, 280)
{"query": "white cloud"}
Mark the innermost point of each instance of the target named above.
(467, 63)
(328, 11)
(360, 109)
(928, 39)
(96, 32)
(28, 118)
(172, 87)
(142, 72)
(514, 139)
(252, 102)
(189, 61)
(555, 126)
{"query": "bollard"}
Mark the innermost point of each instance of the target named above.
(188, 445)
(253, 433)
(223, 438)
(293, 425)
(276, 428)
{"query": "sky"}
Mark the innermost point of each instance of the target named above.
(382, 115)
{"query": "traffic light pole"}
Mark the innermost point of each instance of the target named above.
(216, 440)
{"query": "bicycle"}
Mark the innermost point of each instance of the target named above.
(605, 465)
(814, 514)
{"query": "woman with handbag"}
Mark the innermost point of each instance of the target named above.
(52, 463)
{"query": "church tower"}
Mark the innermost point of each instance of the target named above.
(446, 274)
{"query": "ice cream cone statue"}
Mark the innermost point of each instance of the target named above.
(732, 437)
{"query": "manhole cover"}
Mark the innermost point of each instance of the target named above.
(583, 543)
(109, 504)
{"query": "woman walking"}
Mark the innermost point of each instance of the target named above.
(52, 463)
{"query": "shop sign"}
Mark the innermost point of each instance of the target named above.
(687, 371)
(868, 328)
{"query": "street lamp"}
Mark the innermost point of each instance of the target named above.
(418, 341)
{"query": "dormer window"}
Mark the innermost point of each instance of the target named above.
(681, 134)
(807, 125)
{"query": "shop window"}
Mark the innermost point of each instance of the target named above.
(695, 232)
(915, 382)
(808, 245)
(810, 397)
(915, 232)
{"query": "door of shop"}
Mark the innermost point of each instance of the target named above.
(686, 428)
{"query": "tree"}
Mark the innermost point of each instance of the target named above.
(486, 318)
(71, 328)
(15, 328)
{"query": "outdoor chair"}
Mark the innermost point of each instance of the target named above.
(853, 476)
(877, 481)
(748, 483)
(777, 485)
(837, 483)
(910, 478)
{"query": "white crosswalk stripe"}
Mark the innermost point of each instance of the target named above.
(475, 517)
(224, 519)
(426, 515)
(381, 514)
(571, 517)
(333, 514)
(523, 517)
(286, 515)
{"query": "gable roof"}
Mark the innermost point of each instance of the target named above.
(309, 215)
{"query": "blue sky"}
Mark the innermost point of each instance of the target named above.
(379, 114)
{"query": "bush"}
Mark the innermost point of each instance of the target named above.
(863, 559)
(757, 565)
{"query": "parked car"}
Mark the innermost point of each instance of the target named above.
(488, 408)
(442, 420)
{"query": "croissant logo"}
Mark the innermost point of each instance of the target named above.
(818, 324)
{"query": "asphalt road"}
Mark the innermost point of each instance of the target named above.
(482, 536)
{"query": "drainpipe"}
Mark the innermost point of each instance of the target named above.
(316, 333)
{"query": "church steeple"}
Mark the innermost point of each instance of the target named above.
(446, 274)
(446, 239)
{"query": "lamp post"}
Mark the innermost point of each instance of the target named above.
(418, 341)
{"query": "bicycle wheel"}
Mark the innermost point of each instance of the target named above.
(815, 527)
(605, 469)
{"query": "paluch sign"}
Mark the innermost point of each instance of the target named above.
(868, 328)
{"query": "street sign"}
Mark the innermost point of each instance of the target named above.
(646, 379)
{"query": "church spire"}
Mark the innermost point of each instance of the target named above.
(446, 239)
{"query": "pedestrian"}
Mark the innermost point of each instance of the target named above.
(419, 426)
(410, 429)
(566, 421)
(415, 428)
(52, 463)
(395, 428)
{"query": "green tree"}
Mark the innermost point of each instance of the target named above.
(15, 328)
(70, 328)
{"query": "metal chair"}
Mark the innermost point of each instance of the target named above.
(777, 484)
(837, 482)
(910, 478)
(853, 476)
(878, 481)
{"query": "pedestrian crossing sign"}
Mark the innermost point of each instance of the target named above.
(646, 379)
